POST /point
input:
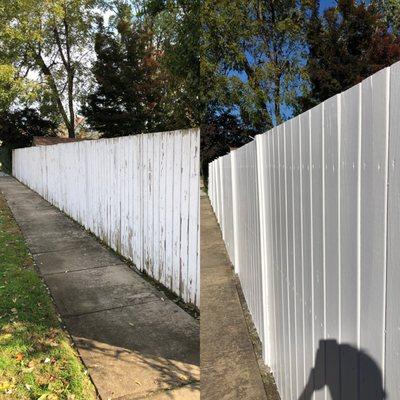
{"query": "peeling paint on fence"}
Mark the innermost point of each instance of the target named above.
(139, 194)
(309, 212)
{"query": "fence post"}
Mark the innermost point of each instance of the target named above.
(222, 197)
(260, 168)
(235, 213)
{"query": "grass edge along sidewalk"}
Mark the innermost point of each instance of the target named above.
(37, 359)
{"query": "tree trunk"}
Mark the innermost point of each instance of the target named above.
(71, 129)
(46, 72)
(277, 99)
(70, 75)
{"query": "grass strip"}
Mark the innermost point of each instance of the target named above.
(37, 359)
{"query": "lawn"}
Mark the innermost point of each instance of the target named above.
(37, 360)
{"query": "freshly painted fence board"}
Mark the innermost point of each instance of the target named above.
(275, 262)
(270, 226)
(331, 239)
(317, 176)
(373, 215)
(283, 260)
(139, 194)
(349, 235)
(392, 352)
(289, 257)
(297, 259)
(249, 236)
(306, 209)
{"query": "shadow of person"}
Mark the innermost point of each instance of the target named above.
(346, 371)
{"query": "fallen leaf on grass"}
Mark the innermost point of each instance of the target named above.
(19, 357)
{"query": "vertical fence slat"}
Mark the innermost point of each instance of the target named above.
(392, 370)
(194, 227)
(283, 259)
(331, 237)
(297, 259)
(374, 128)
(317, 133)
(350, 103)
(290, 284)
(306, 188)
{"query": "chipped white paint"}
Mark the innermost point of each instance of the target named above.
(309, 212)
(139, 194)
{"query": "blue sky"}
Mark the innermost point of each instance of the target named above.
(327, 3)
(287, 112)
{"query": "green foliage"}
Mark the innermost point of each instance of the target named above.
(177, 28)
(251, 57)
(146, 69)
(13, 87)
(390, 10)
(50, 38)
(128, 97)
(37, 360)
(17, 128)
(348, 43)
(219, 134)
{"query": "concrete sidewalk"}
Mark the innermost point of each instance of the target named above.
(229, 368)
(135, 342)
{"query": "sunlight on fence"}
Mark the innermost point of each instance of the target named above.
(309, 212)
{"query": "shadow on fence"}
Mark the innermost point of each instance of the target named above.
(346, 371)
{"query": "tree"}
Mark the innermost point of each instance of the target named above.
(251, 57)
(128, 96)
(146, 70)
(390, 10)
(218, 135)
(18, 128)
(348, 43)
(11, 86)
(51, 38)
(177, 30)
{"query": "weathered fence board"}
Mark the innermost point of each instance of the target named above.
(317, 200)
(139, 194)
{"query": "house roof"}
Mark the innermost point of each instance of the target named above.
(50, 140)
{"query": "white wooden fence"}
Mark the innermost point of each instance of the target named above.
(139, 194)
(310, 214)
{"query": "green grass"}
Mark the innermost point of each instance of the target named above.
(37, 360)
